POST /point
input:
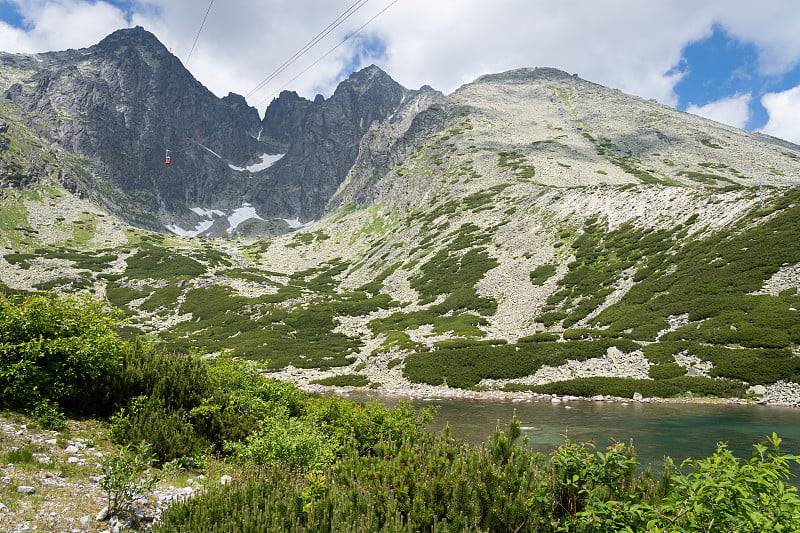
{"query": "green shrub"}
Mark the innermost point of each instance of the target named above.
(343, 380)
(539, 337)
(666, 371)
(179, 381)
(289, 442)
(57, 350)
(47, 414)
(19, 259)
(725, 493)
(626, 387)
(663, 352)
(433, 483)
(126, 475)
(366, 423)
(551, 317)
(542, 273)
(168, 431)
(122, 296)
(582, 334)
(162, 263)
(465, 364)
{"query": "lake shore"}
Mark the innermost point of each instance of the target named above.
(432, 393)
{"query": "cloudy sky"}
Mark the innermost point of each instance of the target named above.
(735, 61)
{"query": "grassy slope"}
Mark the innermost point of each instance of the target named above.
(406, 285)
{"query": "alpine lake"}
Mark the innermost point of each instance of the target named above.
(677, 430)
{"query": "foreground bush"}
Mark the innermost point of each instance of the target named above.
(62, 354)
(56, 353)
(436, 483)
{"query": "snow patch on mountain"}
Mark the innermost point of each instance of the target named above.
(198, 229)
(209, 213)
(267, 160)
(295, 223)
(239, 215)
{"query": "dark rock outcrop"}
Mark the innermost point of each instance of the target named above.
(119, 105)
(322, 139)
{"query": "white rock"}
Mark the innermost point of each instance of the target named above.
(71, 449)
(86, 520)
(26, 489)
(637, 396)
(555, 399)
(102, 515)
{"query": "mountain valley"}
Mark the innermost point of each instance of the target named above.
(530, 231)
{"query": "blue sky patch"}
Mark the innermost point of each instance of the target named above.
(126, 6)
(10, 14)
(723, 66)
(366, 49)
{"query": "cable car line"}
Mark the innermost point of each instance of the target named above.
(321, 35)
(185, 63)
(329, 52)
(167, 156)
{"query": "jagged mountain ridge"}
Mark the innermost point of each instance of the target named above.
(117, 106)
(322, 140)
(567, 132)
(120, 104)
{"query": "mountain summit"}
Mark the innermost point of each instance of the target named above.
(121, 104)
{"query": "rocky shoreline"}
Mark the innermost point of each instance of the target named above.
(431, 393)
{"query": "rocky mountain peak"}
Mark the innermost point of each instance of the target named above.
(321, 139)
(131, 37)
(284, 117)
(368, 79)
(526, 74)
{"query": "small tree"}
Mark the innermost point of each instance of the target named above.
(126, 475)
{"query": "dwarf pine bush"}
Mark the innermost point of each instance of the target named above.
(437, 483)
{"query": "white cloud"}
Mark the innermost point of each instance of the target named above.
(734, 110)
(62, 24)
(784, 114)
(625, 44)
(771, 25)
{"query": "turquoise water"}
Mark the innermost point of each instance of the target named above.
(677, 430)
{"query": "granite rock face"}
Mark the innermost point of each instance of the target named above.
(118, 106)
(322, 141)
